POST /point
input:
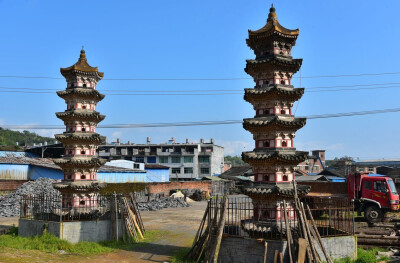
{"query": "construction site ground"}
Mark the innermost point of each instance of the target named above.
(175, 229)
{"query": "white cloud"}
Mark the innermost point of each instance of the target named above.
(116, 135)
(234, 147)
(1, 122)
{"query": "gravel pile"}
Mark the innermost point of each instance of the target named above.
(10, 204)
(161, 203)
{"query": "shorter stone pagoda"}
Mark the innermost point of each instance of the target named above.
(274, 158)
(80, 163)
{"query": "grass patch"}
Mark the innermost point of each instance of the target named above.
(365, 256)
(179, 256)
(52, 244)
(150, 236)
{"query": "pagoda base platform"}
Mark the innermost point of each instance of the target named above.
(231, 249)
(74, 231)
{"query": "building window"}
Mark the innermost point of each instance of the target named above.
(266, 143)
(285, 178)
(83, 176)
(361, 170)
(151, 159)
(163, 159)
(139, 159)
(84, 85)
(82, 202)
(283, 112)
(284, 144)
(205, 170)
(175, 170)
(204, 159)
(82, 152)
(188, 170)
(175, 159)
(370, 169)
(188, 159)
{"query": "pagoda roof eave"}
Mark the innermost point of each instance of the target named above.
(274, 26)
(88, 162)
(81, 92)
(274, 122)
(275, 157)
(82, 65)
(277, 189)
(79, 137)
(80, 115)
(275, 91)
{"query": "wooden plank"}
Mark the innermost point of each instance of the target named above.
(265, 251)
(310, 238)
(288, 234)
(301, 257)
(133, 218)
(137, 213)
(221, 227)
(276, 256)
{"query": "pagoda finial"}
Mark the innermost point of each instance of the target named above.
(272, 15)
(83, 54)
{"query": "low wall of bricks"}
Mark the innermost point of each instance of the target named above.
(10, 185)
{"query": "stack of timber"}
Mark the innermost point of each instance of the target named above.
(132, 225)
(308, 233)
(209, 235)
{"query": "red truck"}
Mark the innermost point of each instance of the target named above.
(373, 195)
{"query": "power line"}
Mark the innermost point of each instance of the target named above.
(186, 92)
(202, 123)
(206, 79)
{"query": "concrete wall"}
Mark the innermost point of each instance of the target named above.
(74, 232)
(243, 250)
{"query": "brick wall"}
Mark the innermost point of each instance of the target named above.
(11, 185)
(156, 188)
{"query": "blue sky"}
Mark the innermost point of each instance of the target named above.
(205, 39)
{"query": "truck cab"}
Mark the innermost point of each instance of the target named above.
(373, 195)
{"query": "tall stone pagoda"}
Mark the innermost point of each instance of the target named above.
(274, 126)
(80, 162)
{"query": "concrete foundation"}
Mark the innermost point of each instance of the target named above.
(243, 250)
(74, 232)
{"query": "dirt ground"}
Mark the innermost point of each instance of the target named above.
(177, 225)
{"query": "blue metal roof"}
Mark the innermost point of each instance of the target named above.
(377, 175)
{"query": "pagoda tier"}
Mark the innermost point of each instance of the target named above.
(291, 158)
(89, 94)
(80, 162)
(275, 63)
(79, 138)
(273, 92)
(273, 123)
(80, 115)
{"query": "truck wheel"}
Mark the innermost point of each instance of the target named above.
(373, 214)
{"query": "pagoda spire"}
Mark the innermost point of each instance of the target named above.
(272, 15)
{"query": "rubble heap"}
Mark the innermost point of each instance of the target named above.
(10, 205)
(164, 202)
